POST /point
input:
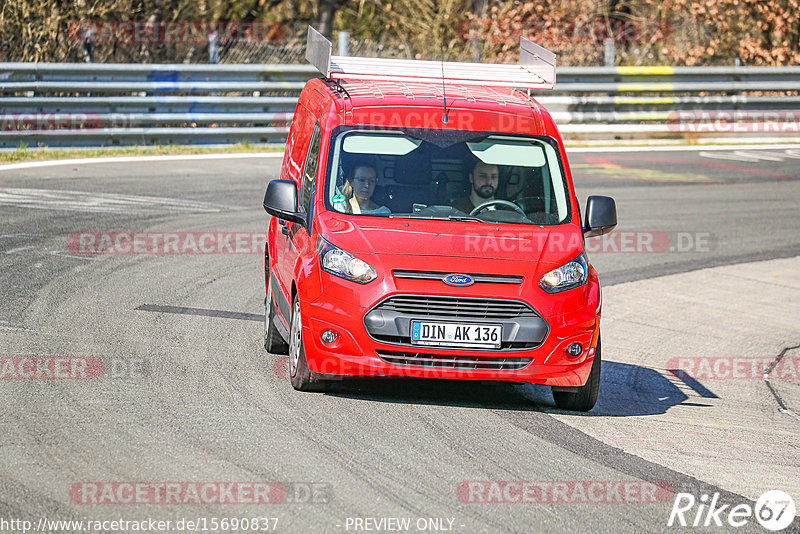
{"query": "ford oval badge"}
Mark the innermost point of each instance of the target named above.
(458, 280)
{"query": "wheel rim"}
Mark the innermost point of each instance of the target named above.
(295, 341)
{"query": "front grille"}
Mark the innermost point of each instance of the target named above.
(391, 320)
(445, 361)
(458, 307)
(477, 278)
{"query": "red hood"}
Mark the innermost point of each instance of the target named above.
(419, 237)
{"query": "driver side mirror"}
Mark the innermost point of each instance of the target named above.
(280, 200)
(601, 216)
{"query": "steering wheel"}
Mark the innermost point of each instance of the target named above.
(490, 203)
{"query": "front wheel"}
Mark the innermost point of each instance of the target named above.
(302, 379)
(582, 398)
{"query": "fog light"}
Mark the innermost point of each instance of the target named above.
(574, 350)
(328, 336)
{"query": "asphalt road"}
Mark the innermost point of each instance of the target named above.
(189, 395)
(703, 207)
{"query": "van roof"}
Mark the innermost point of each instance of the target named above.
(373, 92)
(403, 97)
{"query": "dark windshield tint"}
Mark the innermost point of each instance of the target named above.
(453, 175)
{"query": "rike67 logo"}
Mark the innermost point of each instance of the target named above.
(774, 510)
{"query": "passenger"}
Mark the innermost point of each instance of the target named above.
(358, 191)
(483, 185)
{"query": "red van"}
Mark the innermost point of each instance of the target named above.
(425, 225)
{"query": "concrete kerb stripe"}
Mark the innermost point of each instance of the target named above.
(136, 159)
(679, 148)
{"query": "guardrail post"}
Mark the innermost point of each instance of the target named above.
(213, 46)
(610, 52)
(344, 43)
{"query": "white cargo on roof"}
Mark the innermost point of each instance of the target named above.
(537, 68)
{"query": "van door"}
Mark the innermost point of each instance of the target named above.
(292, 168)
(300, 236)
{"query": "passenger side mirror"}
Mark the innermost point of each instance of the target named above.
(601, 216)
(280, 200)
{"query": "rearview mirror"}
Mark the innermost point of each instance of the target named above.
(280, 200)
(601, 216)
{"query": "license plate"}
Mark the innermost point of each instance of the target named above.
(456, 334)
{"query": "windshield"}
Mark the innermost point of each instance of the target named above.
(450, 175)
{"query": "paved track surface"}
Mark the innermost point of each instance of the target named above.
(189, 394)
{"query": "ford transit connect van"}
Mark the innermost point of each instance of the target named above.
(425, 224)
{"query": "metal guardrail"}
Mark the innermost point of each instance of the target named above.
(159, 104)
(115, 104)
(127, 71)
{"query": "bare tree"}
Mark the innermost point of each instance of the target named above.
(327, 11)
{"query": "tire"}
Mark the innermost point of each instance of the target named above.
(302, 379)
(582, 398)
(273, 342)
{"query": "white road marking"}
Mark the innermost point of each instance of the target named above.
(790, 413)
(52, 199)
(19, 249)
(753, 156)
(135, 159)
(678, 148)
(67, 255)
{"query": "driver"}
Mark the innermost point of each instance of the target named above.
(358, 190)
(483, 180)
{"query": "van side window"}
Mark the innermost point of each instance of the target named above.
(310, 172)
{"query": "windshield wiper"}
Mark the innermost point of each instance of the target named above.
(469, 218)
(432, 218)
(415, 216)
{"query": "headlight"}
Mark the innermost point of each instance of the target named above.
(340, 263)
(569, 275)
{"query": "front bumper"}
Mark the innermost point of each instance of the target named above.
(355, 353)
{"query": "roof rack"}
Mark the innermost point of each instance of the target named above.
(536, 69)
